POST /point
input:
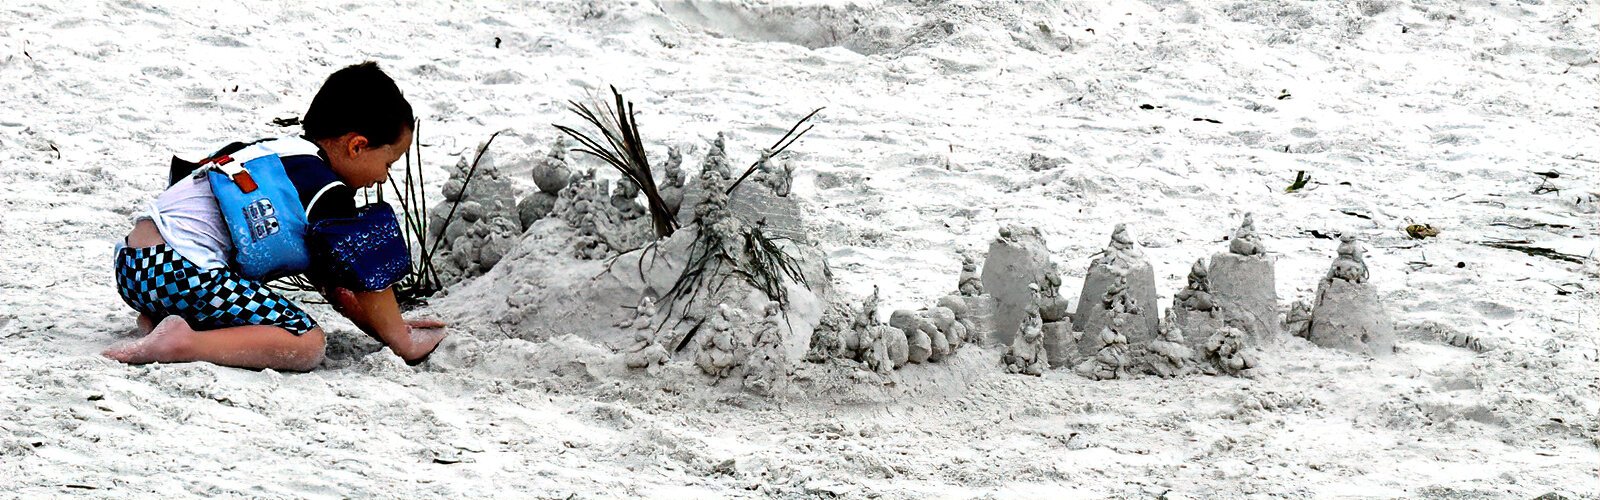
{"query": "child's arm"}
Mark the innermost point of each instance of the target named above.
(377, 314)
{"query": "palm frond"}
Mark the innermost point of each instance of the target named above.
(621, 147)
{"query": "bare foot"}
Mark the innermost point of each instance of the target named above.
(146, 325)
(423, 342)
(163, 343)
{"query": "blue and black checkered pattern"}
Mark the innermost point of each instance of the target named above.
(158, 282)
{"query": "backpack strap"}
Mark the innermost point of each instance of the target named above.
(230, 159)
(182, 168)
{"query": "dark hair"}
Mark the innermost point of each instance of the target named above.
(359, 98)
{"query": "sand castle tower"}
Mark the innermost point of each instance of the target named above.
(768, 363)
(1169, 354)
(1244, 285)
(1017, 259)
(1348, 314)
(1194, 309)
(551, 174)
(672, 185)
(972, 304)
(762, 200)
(1027, 354)
(645, 352)
(1122, 257)
(483, 224)
(1104, 353)
(1228, 352)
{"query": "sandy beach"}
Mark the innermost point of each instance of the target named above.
(944, 122)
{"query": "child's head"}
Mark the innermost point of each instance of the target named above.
(362, 121)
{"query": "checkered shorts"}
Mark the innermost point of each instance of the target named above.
(158, 282)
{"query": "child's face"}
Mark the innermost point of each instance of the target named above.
(359, 164)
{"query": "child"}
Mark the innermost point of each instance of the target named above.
(185, 265)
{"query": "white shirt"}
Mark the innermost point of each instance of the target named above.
(188, 218)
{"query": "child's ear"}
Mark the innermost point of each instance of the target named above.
(358, 144)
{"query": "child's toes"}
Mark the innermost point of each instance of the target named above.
(126, 352)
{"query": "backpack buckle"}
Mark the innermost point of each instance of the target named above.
(234, 171)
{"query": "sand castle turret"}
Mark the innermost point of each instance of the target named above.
(1297, 321)
(721, 347)
(1229, 352)
(1244, 284)
(1104, 354)
(1121, 257)
(624, 200)
(1168, 355)
(645, 352)
(1017, 259)
(1194, 309)
(767, 366)
(551, 174)
(1027, 354)
(1347, 314)
(972, 305)
(882, 347)
(969, 284)
(672, 185)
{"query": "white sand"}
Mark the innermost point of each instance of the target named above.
(1409, 110)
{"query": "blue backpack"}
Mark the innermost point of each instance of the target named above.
(262, 208)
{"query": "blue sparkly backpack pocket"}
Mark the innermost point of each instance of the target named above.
(362, 253)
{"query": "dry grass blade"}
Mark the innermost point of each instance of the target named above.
(622, 148)
(788, 139)
(769, 266)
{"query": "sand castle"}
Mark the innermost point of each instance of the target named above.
(1347, 314)
(477, 223)
(1122, 260)
(710, 284)
(1215, 324)
(1199, 333)
(1244, 284)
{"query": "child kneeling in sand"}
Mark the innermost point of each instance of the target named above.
(199, 259)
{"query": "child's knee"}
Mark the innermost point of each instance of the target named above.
(313, 344)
